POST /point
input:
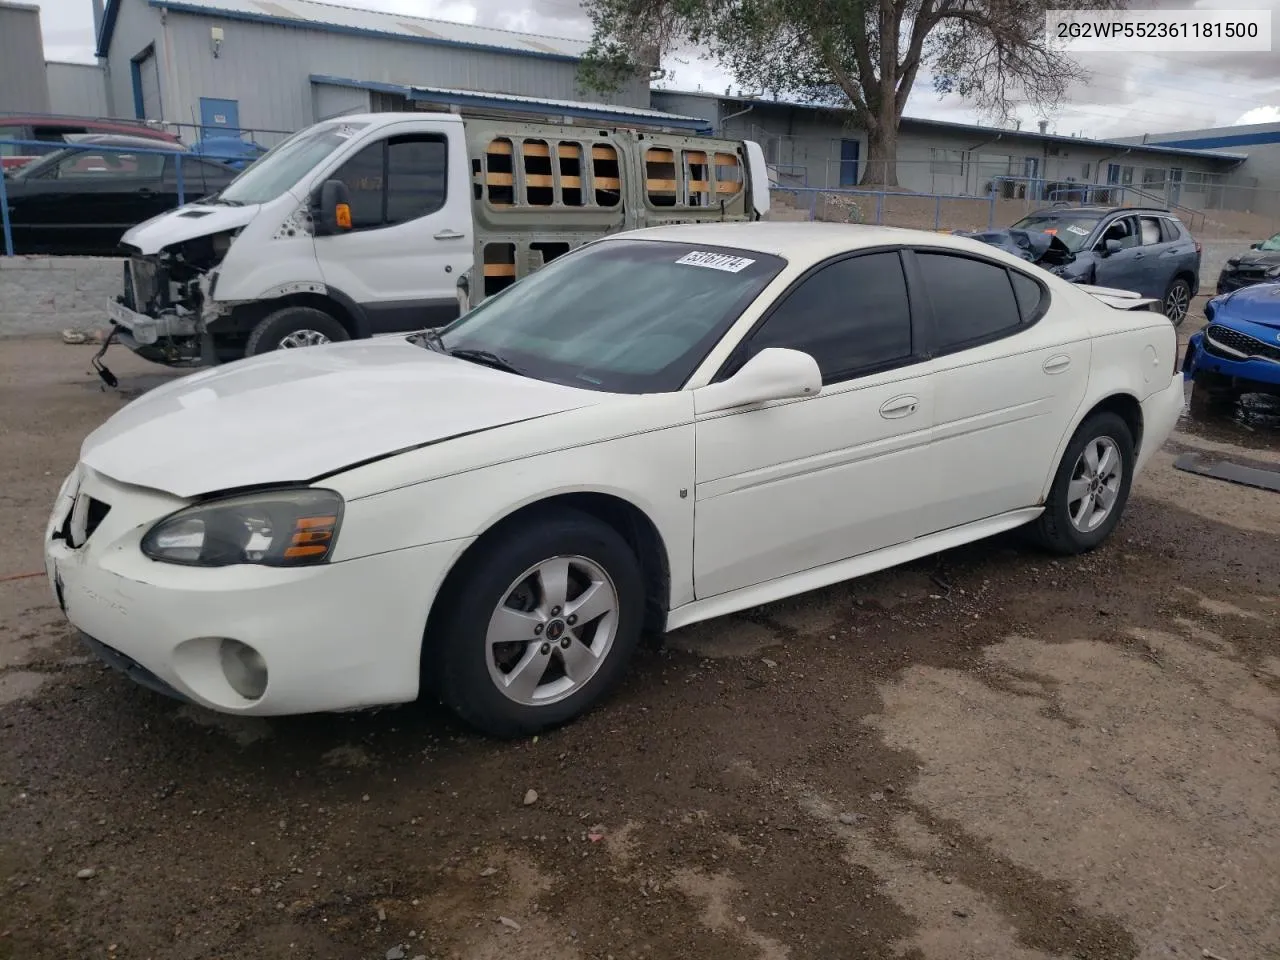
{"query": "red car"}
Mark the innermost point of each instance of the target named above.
(54, 130)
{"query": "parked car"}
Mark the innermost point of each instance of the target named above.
(1238, 351)
(1148, 251)
(57, 130)
(81, 199)
(1260, 265)
(662, 426)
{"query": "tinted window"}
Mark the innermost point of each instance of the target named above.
(1028, 294)
(363, 176)
(1170, 229)
(627, 316)
(972, 299)
(849, 316)
(1150, 230)
(415, 177)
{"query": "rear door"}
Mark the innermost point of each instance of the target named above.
(1008, 377)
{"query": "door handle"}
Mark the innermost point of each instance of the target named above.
(449, 235)
(1057, 364)
(899, 407)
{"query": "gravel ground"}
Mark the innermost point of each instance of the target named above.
(990, 754)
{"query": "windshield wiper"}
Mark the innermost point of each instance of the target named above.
(486, 358)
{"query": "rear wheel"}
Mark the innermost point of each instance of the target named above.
(1177, 301)
(293, 327)
(1091, 487)
(538, 627)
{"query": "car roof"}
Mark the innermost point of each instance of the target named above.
(808, 240)
(1101, 211)
(99, 126)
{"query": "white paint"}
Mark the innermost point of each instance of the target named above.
(791, 489)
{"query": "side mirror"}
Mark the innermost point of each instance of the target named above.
(1110, 246)
(1255, 246)
(772, 374)
(332, 214)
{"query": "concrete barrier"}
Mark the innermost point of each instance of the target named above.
(51, 294)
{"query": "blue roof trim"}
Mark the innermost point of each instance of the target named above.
(1231, 140)
(109, 15)
(112, 11)
(496, 101)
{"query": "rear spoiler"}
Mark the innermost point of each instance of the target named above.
(1123, 299)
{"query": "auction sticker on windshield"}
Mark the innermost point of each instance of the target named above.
(716, 261)
(1077, 229)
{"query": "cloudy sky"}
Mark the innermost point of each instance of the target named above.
(1127, 94)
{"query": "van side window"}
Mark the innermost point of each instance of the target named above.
(395, 181)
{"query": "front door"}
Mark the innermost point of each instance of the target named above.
(411, 232)
(849, 163)
(1008, 379)
(799, 484)
(1124, 268)
(219, 118)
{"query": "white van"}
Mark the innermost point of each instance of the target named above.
(370, 224)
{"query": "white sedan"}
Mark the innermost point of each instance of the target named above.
(660, 427)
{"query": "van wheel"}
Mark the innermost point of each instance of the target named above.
(292, 327)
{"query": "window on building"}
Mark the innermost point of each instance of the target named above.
(973, 300)
(851, 316)
(1126, 176)
(946, 162)
(1154, 177)
(1084, 171)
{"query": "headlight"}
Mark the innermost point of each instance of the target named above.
(281, 528)
(1233, 261)
(1274, 272)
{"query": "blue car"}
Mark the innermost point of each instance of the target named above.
(1238, 351)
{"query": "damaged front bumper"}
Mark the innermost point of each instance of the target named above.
(164, 321)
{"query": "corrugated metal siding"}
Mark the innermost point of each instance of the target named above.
(23, 86)
(267, 68)
(136, 26)
(77, 88)
(333, 101)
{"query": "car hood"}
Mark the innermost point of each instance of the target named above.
(1266, 258)
(296, 415)
(186, 223)
(1258, 304)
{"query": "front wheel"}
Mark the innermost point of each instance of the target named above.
(1091, 487)
(1177, 301)
(292, 327)
(538, 627)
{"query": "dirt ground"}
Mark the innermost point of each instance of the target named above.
(990, 754)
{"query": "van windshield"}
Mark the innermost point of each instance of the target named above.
(622, 316)
(281, 167)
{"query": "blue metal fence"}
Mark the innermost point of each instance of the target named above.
(98, 149)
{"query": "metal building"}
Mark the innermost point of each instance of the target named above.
(23, 87)
(278, 65)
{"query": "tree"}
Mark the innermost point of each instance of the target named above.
(858, 56)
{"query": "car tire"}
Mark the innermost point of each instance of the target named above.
(291, 327)
(1069, 525)
(1178, 299)
(495, 684)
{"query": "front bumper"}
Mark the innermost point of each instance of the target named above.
(1229, 280)
(338, 636)
(1201, 359)
(1160, 413)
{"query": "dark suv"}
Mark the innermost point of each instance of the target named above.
(1260, 265)
(1146, 250)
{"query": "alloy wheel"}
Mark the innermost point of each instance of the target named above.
(1095, 484)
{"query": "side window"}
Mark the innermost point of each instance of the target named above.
(1150, 231)
(12, 149)
(973, 301)
(394, 181)
(1169, 230)
(108, 165)
(415, 177)
(850, 316)
(363, 175)
(1028, 293)
(1124, 231)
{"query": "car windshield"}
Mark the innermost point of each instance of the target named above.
(623, 316)
(1072, 229)
(281, 167)
(1273, 244)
